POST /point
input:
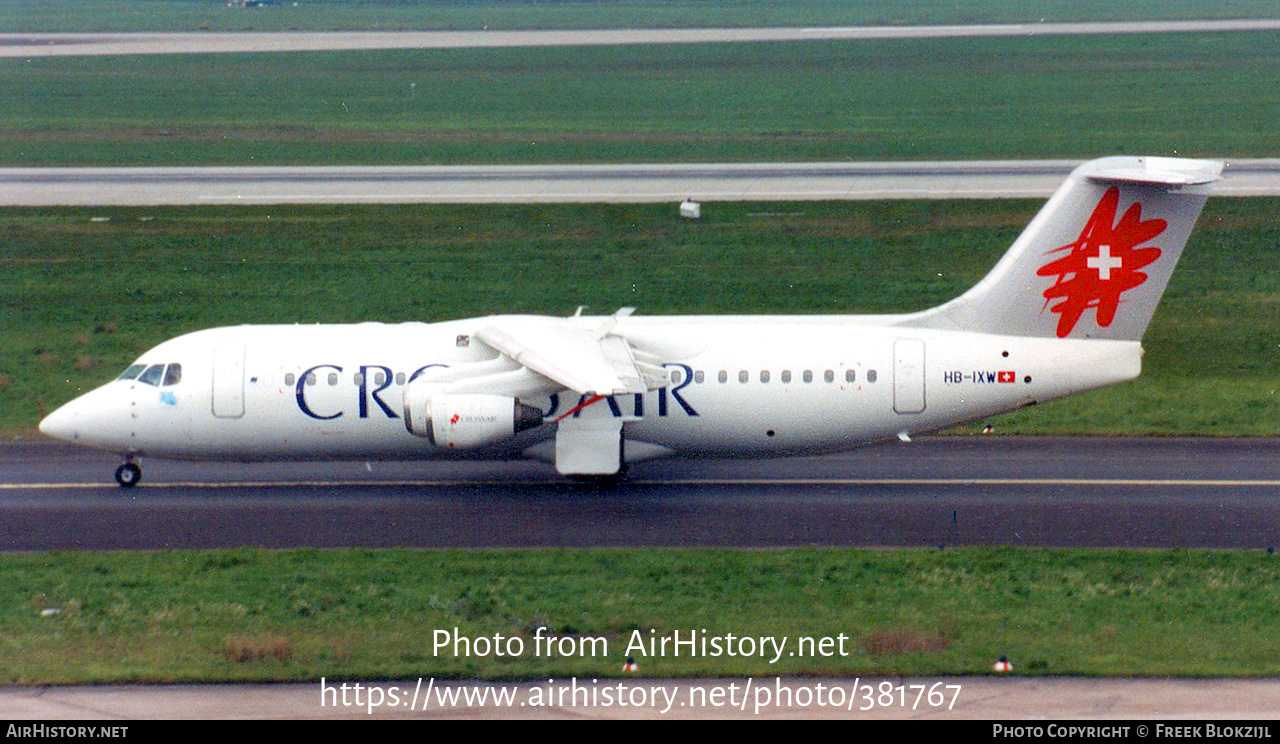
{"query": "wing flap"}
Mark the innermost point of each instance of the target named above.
(570, 354)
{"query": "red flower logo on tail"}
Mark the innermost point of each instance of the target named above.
(1102, 264)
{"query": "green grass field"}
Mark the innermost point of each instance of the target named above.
(394, 15)
(79, 299)
(1194, 94)
(263, 615)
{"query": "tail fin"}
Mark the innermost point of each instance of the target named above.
(1095, 260)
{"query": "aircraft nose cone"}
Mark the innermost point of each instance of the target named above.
(94, 420)
(61, 424)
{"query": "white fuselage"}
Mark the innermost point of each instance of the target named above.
(740, 386)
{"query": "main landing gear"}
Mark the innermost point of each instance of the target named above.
(128, 474)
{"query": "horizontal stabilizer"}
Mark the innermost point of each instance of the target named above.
(1156, 171)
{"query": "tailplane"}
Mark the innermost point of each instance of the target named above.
(1095, 260)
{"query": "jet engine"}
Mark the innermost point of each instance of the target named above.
(465, 421)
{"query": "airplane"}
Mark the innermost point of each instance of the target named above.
(1062, 312)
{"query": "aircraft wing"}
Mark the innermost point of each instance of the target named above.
(587, 360)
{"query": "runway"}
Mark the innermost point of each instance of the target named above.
(568, 183)
(939, 491)
(28, 45)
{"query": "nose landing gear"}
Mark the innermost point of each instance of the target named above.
(128, 474)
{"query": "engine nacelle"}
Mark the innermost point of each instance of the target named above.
(465, 421)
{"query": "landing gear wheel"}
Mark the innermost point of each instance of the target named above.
(128, 475)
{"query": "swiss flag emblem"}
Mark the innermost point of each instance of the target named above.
(1102, 264)
(1005, 376)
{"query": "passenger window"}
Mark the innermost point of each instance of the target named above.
(290, 378)
(743, 376)
(849, 375)
(311, 378)
(871, 375)
(698, 377)
(829, 376)
(808, 375)
(358, 379)
(723, 376)
(676, 376)
(764, 375)
(132, 373)
(152, 375)
(399, 378)
(381, 379)
(786, 375)
(333, 379)
(173, 374)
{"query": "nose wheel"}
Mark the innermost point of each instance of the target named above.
(128, 475)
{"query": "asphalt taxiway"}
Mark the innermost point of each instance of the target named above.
(935, 491)
(656, 182)
(938, 491)
(27, 45)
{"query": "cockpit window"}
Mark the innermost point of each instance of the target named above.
(173, 374)
(132, 372)
(152, 375)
